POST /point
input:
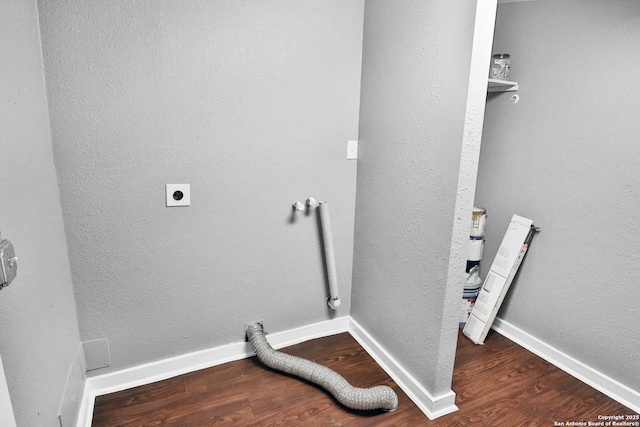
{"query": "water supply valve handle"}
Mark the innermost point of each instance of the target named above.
(312, 203)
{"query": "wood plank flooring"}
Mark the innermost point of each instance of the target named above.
(499, 383)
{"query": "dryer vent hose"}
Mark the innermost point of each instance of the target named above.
(378, 397)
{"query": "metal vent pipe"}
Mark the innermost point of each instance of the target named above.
(378, 397)
(329, 254)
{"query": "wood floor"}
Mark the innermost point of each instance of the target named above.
(499, 383)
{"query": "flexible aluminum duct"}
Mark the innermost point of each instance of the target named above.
(378, 397)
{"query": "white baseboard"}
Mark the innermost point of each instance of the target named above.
(168, 368)
(156, 371)
(433, 407)
(601, 382)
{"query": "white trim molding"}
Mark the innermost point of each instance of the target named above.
(147, 373)
(155, 371)
(588, 375)
(432, 406)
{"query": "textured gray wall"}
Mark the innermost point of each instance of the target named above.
(415, 75)
(251, 103)
(567, 156)
(39, 337)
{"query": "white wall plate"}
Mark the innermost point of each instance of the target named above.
(178, 195)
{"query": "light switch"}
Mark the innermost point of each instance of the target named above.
(8, 263)
(178, 195)
(352, 150)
